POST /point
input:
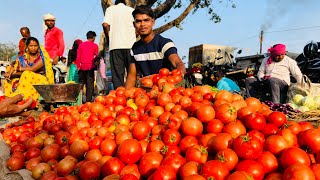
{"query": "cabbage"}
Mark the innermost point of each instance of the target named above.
(308, 101)
(303, 109)
(317, 102)
(297, 99)
(293, 105)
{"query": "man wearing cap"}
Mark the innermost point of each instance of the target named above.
(53, 38)
(275, 73)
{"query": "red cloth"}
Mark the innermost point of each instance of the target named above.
(278, 49)
(54, 42)
(87, 51)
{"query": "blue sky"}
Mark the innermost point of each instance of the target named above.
(292, 22)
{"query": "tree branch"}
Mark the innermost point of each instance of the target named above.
(141, 2)
(179, 19)
(105, 4)
(151, 2)
(163, 8)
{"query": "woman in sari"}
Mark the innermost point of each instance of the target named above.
(33, 68)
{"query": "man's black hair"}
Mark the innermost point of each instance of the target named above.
(120, 1)
(91, 34)
(143, 9)
(219, 74)
(25, 28)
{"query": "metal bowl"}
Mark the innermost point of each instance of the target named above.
(59, 92)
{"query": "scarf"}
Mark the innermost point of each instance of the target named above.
(278, 49)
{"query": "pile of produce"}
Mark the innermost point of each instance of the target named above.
(166, 133)
(305, 103)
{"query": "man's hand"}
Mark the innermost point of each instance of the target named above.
(55, 60)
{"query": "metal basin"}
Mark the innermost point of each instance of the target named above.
(59, 92)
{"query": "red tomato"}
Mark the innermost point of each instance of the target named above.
(197, 153)
(208, 96)
(219, 142)
(149, 163)
(112, 166)
(140, 130)
(155, 78)
(227, 157)
(177, 72)
(188, 169)
(268, 161)
(235, 129)
(226, 113)
(275, 144)
(252, 167)
(206, 113)
(294, 155)
(247, 147)
(171, 137)
(255, 121)
(298, 171)
(186, 142)
(277, 118)
(215, 126)
(146, 82)
(163, 172)
(192, 127)
(175, 161)
(129, 151)
(164, 72)
(311, 139)
(214, 169)
(269, 129)
(240, 175)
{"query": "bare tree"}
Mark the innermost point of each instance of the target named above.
(162, 7)
(7, 51)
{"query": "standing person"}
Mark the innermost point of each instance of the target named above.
(86, 57)
(53, 38)
(25, 33)
(152, 52)
(275, 72)
(72, 56)
(119, 30)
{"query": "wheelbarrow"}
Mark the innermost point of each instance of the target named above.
(57, 95)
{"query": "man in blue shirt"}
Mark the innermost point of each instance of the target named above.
(152, 52)
(225, 83)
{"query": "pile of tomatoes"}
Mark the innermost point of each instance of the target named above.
(164, 77)
(184, 133)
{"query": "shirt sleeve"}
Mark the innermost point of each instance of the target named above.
(131, 60)
(295, 70)
(61, 43)
(169, 48)
(261, 72)
(107, 16)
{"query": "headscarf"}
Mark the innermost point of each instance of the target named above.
(277, 49)
(77, 42)
(47, 17)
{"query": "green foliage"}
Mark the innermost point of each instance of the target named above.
(7, 51)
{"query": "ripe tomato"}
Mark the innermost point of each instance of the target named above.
(292, 156)
(215, 126)
(277, 118)
(206, 113)
(129, 151)
(240, 175)
(219, 142)
(255, 121)
(247, 147)
(235, 129)
(269, 129)
(140, 130)
(268, 161)
(149, 163)
(164, 72)
(192, 127)
(112, 166)
(171, 137)
(227, 157)
(188, 169)
(214, 169)
(298, 171)
(175, 161)
(164, 172)
(186, 142)
(131, 169)
(90, 170)
(176, 72)
(226, 113)
(252, 167)
(275, 144)
(146, 82)
(311, 139)
(197, 153)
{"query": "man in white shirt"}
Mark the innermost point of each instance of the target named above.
(275, 71)
(120, 32)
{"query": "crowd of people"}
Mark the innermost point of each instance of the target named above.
(134, 49)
